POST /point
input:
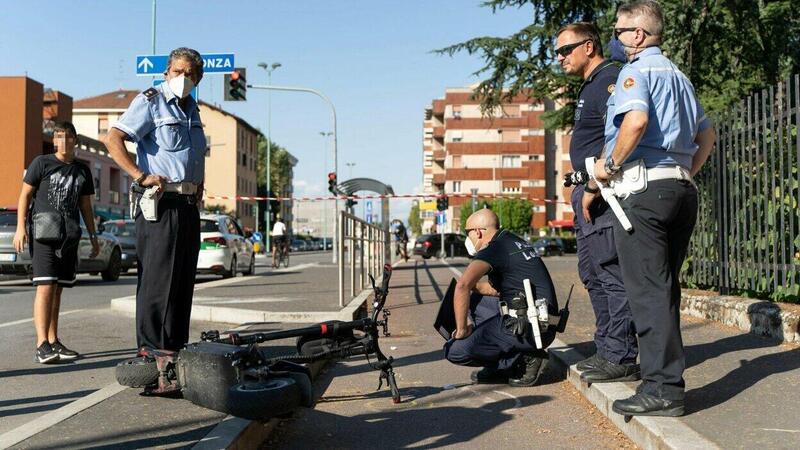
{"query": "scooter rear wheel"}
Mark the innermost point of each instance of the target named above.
(137, 372)
(264, 400)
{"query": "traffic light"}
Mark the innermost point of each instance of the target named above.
(442, 203)
(236, 85)
(332, 183)
(350, 203)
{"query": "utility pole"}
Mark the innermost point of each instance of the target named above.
(154, 27)
(325, 135)
(269, 68)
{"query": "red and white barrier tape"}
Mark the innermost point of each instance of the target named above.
(369, 197)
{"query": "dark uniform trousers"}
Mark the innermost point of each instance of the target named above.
(492, 343)
(651, 256)
(167, 251)
(600, 273)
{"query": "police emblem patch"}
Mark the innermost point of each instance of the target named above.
(610, 88)
(628, 83)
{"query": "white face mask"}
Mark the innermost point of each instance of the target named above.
(181, 86)
(470, 247)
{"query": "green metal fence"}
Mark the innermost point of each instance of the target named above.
(747, 238)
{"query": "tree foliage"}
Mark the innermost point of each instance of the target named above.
(414, 221)
(515, 214)
(728, 48)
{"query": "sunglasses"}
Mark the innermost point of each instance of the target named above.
(565, 50)
(467, 230)
(618, 31)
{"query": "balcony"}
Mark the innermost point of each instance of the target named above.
(438, 178)
(438, 132)
(438, 155)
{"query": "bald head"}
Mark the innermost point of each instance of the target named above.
(483, 218)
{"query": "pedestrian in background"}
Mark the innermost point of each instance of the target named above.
(580, 53)
(656, 122)
(164, 122)
(61, 189)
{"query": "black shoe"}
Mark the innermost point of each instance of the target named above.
(529, 369)
(45, 354)
(64, 354)
(643, 404)
(590, 363)
(489, 376)
(609, 372)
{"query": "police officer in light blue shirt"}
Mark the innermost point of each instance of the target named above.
(654, 116)
(164, 122)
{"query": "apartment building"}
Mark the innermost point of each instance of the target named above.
(507, 153)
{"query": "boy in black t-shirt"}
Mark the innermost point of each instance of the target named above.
(483, 337)
(63, 188)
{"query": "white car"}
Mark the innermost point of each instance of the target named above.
(223, 247)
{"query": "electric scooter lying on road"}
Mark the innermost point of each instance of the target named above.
(230, 373)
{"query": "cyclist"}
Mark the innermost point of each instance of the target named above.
(278, 240)
(401, 239)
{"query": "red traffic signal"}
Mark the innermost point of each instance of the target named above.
(332, 182)
(236, 85)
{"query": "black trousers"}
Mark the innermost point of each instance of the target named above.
(600, 272)
(651, 256)
(167, 251)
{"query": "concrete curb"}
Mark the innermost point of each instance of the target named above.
(780, 321)
(646, 432)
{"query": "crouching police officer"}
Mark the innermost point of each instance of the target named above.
(165, 124)
(485, 337)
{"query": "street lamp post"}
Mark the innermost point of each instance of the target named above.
(269, 68)
(325, 135)
(335, 139)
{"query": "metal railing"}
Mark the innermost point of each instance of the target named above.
(747, 238)
(363, 247)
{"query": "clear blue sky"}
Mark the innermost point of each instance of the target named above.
(371, 58)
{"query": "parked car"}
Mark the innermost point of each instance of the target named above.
(11, 262)
(125, 232)
(298, 245)
(108, 263)
(429, 245)
(549, 246)
(223, 247)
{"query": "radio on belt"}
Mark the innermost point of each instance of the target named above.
(148, 203)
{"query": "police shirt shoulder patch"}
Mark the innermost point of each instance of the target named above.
(150, 93)
(628, 83)
(610, 88)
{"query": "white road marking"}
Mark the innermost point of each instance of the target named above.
(46, 421)
(17, 322)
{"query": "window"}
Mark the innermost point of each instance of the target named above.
(457, 139)
(102, 125)
(457, 112)
(511, 161)
(457, 162)
(456, 186)
(244, 159)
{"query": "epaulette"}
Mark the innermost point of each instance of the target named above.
(150, 93)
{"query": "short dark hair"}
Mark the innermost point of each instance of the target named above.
(585, 30)
(649, 10)
(191, 55)
(66, 127)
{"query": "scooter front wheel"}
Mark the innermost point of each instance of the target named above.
(137, 372)
(264, 400)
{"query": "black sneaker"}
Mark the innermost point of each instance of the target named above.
(590, 363)
(643, 404)
(45, 354)
(488, 375)
(64, 353)
(529, 369)
(608, 372)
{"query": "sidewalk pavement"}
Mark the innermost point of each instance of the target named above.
(440, 407)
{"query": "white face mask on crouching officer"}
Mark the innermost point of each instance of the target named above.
(181, 86)
(470, 247)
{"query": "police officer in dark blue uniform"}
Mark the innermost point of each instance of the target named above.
(484, 337)
(579, 51)
(164, 122)
(655, 120)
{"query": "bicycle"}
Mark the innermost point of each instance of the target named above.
(228, 372)
(282, 255)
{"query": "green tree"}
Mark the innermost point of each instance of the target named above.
(414, 221)
(280, 170)
(217, 208)
(727, 48)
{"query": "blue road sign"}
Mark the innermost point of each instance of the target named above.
(153, 65)
(369, 218)
(440, 218)
(193, 93)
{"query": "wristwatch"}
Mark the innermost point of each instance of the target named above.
(141, 178)
(610, 167)
(590, 190)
